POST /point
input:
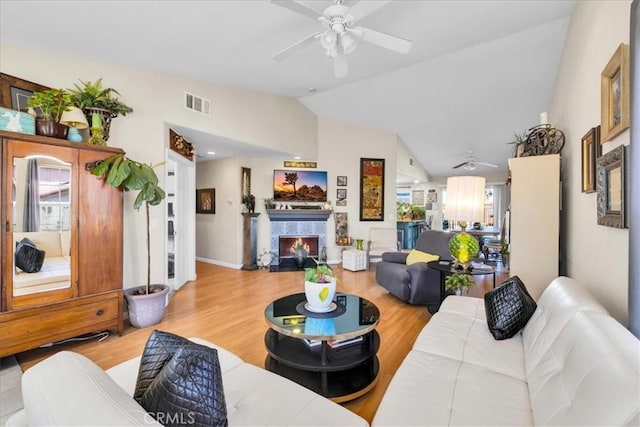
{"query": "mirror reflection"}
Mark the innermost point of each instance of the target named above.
(41, 224)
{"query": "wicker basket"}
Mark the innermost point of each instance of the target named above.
(106, 116)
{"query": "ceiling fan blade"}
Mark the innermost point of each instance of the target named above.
(340, 67)
(310, 39)
(378, 38)
(460, 165)
(364, 8)
(491, 165)
(298, 8)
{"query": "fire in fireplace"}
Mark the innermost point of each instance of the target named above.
(287, 245)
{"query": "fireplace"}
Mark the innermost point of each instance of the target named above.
(287, 255)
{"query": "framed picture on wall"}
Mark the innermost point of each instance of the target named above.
(341, 195)
(591, 150)
(15, 91)
(371, 189)
(206, 201)
(611, 188)
(342, 181)
(614, 94)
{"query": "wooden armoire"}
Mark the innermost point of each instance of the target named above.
(87, 215)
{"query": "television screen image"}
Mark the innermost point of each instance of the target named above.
(299, 186)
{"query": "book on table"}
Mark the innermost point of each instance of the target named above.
(333, 343)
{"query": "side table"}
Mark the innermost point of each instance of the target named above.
(446, 268)
(354, 260)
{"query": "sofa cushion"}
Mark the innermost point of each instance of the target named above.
(188, 389)
(159, 349)
(420, 256)
(48, 241)
(28, 257)
(508, 308)
(69, 389)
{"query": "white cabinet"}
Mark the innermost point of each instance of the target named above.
(535, 220)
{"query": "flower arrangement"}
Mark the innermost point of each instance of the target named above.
(322, 273)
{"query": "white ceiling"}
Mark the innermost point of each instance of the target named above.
(478, 71)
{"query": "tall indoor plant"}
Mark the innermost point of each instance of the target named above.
(146, 303)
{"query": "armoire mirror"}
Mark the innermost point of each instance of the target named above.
(42, 213)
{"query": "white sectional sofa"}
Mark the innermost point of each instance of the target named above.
(56, 268)
(572, 364)
(68, 389)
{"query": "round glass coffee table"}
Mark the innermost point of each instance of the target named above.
(333, 354)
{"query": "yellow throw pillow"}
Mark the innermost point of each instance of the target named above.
(419, 256)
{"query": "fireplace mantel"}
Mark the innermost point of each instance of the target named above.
(299, 214)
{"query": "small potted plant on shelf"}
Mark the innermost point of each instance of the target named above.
(319, 287)
(50, 104)
(94, 99)
(146, 303)
(458, 282)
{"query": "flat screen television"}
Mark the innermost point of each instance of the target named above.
(299, 186)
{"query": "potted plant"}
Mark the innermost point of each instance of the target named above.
(146, 303)
(319, 288)
(94, 99)
(50, 104)
(458, 282)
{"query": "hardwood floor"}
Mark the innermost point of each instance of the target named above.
(226, 306)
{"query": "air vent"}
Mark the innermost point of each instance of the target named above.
(195, 103)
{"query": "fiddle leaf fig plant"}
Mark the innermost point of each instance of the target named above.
(121, 172)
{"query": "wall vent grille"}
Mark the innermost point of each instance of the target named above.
(196, 103)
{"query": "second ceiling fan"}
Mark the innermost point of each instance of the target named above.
(339, 33)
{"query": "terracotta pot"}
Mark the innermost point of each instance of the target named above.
(47, 127)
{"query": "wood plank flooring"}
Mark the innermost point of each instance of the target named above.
(226, 306)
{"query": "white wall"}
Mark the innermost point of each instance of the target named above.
(407, 164)
(595, 255)
(270, 121)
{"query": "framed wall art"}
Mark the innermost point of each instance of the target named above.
(342, 181)
(611, 188)
(614, 93)
(206, 201)
(341, 194)
(371, 189)
(15, 91)
(591, 150)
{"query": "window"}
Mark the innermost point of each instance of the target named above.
(55, 206)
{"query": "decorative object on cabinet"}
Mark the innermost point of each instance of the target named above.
(75, 119)
(611, 188)
(249, 202)
(180, 145)
(371, 189)
(542, 139)
(591, 150)
(50, 105)
(342, 228)
(341, 181)
(92, 98)
(465, 202)
(146, 303)
(15, 91)
(245, 182)
(206, 201)
(16, 121)
(614, 94)
(79, 287)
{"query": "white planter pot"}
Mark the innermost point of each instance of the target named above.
(319, 295)
(146, 310)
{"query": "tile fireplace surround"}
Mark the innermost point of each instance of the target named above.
(297, 222)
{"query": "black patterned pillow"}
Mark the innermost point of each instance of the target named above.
(159, 349)
(508, 308)
(188, 390)
(28, 257)
(192, 380)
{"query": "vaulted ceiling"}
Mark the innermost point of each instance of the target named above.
(478, 71)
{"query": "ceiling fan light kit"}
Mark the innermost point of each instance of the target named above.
(337, 39)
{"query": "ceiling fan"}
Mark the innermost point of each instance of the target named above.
(471, 163)
(339, 33)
